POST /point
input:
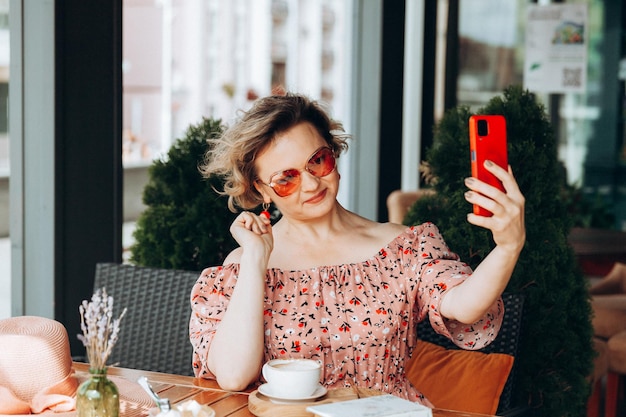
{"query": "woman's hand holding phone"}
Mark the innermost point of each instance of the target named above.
(507, 221)
(498, 207)
(497, 199)
(492, 275)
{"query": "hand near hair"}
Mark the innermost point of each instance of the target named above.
(253, 233)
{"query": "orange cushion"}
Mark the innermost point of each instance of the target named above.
(459, 380)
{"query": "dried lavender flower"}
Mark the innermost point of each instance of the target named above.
(100, 330)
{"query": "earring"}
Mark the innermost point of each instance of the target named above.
(265, 213)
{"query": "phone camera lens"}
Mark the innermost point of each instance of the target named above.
(482, 128)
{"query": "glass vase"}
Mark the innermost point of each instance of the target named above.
(98, 396)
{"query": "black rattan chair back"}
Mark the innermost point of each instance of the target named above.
(154, 334)
(507, 341)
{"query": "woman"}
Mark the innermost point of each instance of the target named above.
(326, 283)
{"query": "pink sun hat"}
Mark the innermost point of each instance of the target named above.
(36, 372)
(37, 377)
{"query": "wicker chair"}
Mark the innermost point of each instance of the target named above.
(154, 334)
(506, 342)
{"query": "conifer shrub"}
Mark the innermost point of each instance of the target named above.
(186, 222)
(555, 354)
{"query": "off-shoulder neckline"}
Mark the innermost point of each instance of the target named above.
(407, 231)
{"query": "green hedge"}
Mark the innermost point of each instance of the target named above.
(186, 223)
(556, 352)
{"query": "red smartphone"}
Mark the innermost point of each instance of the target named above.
(487, 142)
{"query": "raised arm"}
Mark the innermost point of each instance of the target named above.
(469, 301)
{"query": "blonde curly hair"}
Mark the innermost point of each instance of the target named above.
(233, 154)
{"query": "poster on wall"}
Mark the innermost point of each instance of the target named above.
(556, 48)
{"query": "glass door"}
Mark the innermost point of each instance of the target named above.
(589, 125)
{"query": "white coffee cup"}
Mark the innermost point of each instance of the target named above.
(292, 378)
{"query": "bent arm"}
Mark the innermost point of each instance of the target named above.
(236, 352)
(229, 343)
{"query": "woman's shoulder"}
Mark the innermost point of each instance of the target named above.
(391, 231)
(394, 236)
(387, 232)
(369, 234)
(401, 236)
(234, 256)
(383, 234)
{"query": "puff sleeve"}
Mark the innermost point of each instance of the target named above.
(209, 299)
(440, 270)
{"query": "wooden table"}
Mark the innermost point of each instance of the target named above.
(180, 388)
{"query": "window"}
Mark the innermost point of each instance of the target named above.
(185, 60)
(489, 60)
(587, 125)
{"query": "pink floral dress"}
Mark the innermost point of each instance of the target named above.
(358, 319)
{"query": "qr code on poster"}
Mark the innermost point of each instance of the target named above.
(572, 77)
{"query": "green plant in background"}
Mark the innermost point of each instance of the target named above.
(556, 353)
(186, 223)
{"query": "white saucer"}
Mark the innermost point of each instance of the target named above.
(266, 390)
